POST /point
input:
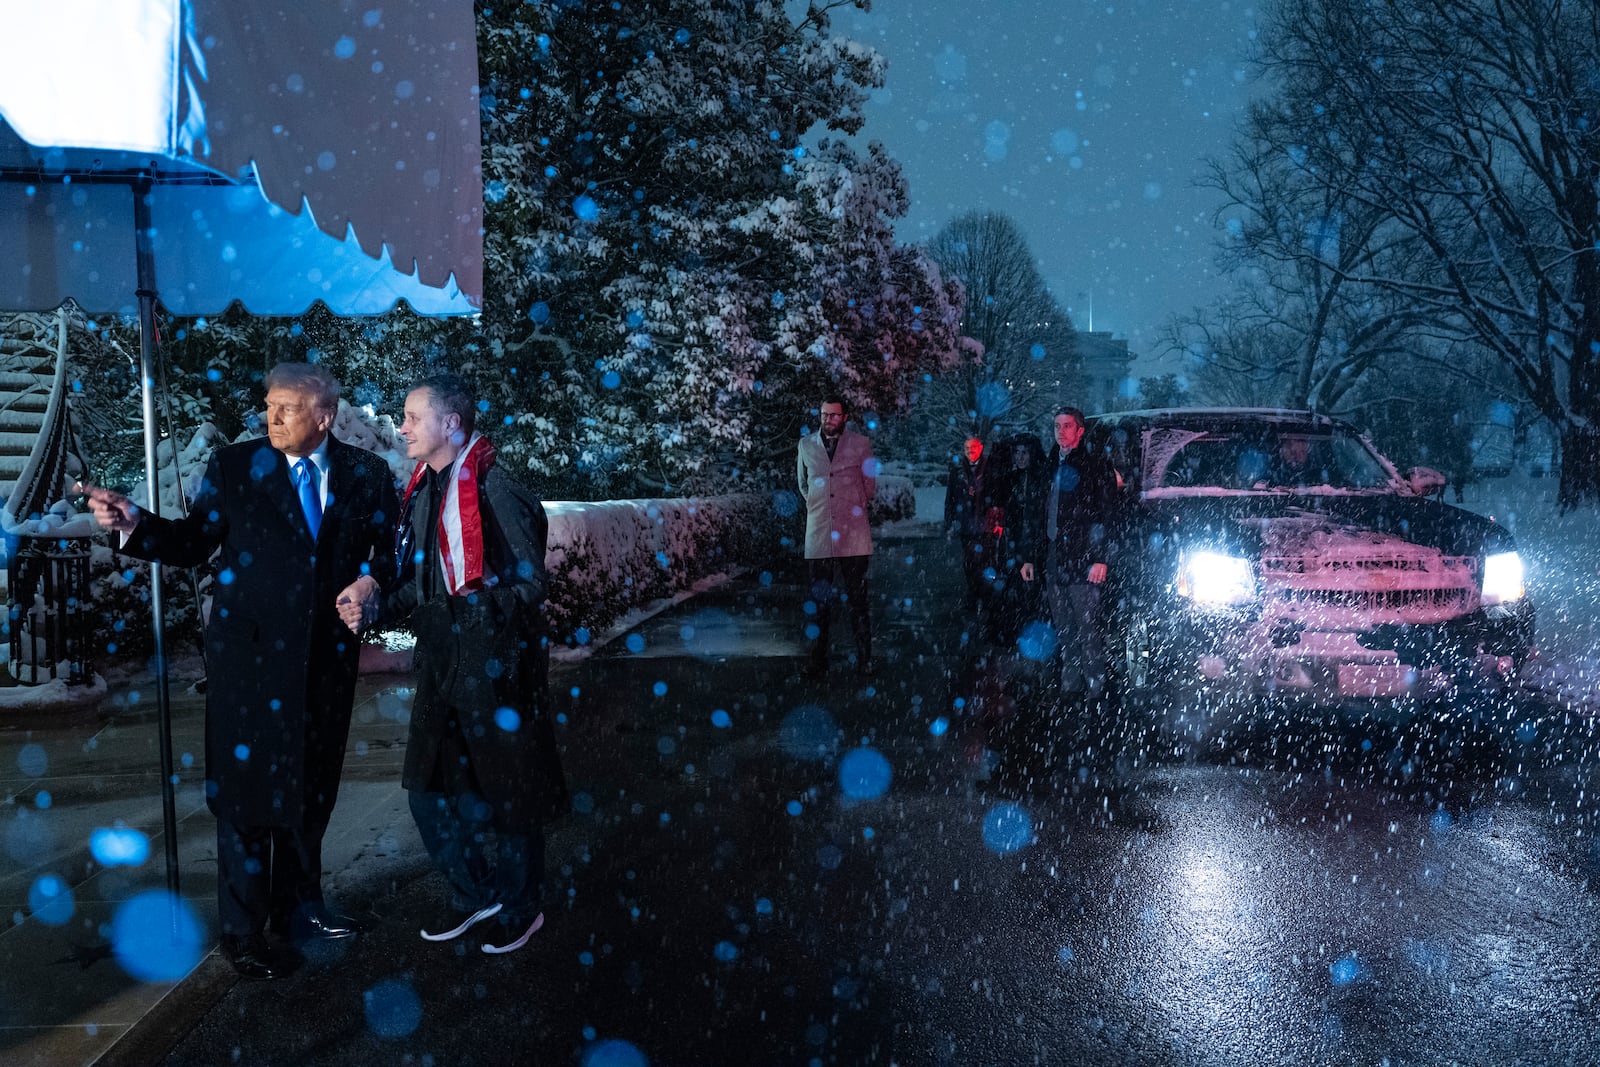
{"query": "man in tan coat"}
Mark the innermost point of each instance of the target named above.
(838, 477)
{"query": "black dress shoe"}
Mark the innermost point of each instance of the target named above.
(316, 924)
(253, 958)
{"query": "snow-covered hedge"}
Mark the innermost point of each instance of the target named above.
(920, 474)
(610, 557)
(896, 498)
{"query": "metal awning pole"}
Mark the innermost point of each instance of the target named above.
(147, 385)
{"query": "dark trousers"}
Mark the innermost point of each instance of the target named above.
(266, 871)
(482, 865)
(828, 578)
(1075, 613)
(975, 559)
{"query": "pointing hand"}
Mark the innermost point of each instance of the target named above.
(112, 511)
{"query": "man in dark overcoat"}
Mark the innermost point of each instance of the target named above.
(481, 769)
(963, 516)
(305, 525)
(1072, 542)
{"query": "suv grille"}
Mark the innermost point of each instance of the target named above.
(1448, 601)
(1400, 589)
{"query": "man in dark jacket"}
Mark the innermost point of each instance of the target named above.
(1073, 540)
(962, 521)
(305, 525)
(481, 765)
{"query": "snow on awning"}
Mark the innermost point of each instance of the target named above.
(347, 136)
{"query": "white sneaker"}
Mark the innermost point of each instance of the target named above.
(466, 922)
(533, 928)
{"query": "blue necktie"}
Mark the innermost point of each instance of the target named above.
(305, 476)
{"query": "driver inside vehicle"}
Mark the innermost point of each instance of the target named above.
(1296, 463)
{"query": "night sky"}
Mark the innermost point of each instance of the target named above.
(1087, 123)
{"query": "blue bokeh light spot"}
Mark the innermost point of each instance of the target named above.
(1037, 640)
(119, 846)
(864, 774)
(1345, 970)
(50, 900)
(1007, 828)
(32, 760)
(808, 733)
(156, 937)
(613, 1052)
(393, 1008)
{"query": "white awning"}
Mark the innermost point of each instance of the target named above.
(348, 135)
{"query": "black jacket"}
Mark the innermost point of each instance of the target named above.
(1087, 513)
(961, 511)
(280, 666)
(483, 662)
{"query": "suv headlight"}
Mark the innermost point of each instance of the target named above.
(1215, 580)
(1503, 578)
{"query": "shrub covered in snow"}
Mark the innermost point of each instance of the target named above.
(896, 498)
(608, 558)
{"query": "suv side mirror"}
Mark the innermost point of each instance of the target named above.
(1425, 481)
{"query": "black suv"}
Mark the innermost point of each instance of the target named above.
(1278, 552)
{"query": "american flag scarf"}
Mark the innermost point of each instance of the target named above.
(460, 517)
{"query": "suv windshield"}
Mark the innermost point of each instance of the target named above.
(1265, 459)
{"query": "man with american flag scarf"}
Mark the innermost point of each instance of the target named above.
(481, 769)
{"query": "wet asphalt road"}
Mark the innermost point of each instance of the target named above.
(1325, 890)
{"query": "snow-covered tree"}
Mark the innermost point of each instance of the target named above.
(674, 273)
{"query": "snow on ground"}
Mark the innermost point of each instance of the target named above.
(55, 693)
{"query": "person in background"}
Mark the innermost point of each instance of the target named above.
(1070, 548)
(305, 528)
(963, 519)
(1015, 482)
(838, 477)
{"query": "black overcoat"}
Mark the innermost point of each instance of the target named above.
(1088, 512)
(280, 665)
(482, 660)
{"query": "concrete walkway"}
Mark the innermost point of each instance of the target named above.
(64, 1000)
